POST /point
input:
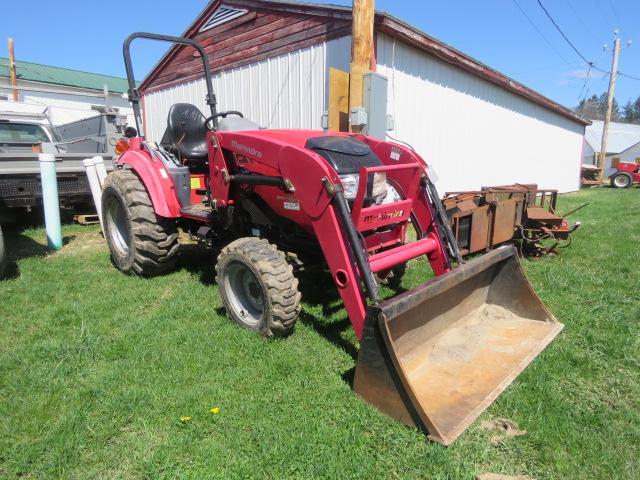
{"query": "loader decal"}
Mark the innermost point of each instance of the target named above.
(383, 216)
(246, 149)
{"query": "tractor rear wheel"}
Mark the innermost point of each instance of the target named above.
(3, 256)
(258, 287)
(141, 242)
(621, 180)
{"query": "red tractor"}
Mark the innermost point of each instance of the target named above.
(626, 174)
(434, 356)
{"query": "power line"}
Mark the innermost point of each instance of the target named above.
(628, 76)
(539, 32)
(605, 15)
(615, 14)
(586, 80)
(563, 35)
(577, 15)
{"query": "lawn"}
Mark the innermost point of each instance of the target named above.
(96, 369)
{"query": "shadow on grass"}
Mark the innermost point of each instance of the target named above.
(19, 246)
(199, 261)
(323, 310)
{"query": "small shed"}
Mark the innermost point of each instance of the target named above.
(271, 61)
(69, 95)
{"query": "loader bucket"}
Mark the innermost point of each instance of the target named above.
(436, 356)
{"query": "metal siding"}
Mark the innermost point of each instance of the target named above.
(287, 91)
(473, 132)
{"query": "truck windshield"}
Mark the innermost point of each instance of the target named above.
(22, 133)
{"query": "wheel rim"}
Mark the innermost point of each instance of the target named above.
(244, 293)
(118, 226)
(621, 181)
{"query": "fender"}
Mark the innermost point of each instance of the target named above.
(155, 179)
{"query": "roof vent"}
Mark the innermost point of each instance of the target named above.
(223, 14)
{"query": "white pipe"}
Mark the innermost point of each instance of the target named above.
(50, 200)
(101, 170)
(94, 184)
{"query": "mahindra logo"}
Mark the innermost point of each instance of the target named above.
(383, 216)
(246, 149)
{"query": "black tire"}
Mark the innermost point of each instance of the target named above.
(258, 287)
(394, 277)
(141, 242)
(3, 256)
(621, 180)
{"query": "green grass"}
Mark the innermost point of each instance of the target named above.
(96, 368)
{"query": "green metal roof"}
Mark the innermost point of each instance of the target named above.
(36, 72)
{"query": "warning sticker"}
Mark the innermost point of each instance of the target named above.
(291, 206)
(195, 183)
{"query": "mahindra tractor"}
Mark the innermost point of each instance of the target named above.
(434, 356)
(626, 175)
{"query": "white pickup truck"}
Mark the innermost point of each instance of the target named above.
(23, 136)
(25, 131)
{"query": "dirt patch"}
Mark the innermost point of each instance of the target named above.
(79, 243)
(504, 428)
(497, 476)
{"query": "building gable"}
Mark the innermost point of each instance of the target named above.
(233, 39)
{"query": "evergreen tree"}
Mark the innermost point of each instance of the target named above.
(629, 113)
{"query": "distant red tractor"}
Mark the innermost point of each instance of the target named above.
(626, 174)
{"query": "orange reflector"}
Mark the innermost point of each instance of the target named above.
(122, 146)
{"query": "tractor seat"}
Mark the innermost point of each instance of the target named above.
(186, 133)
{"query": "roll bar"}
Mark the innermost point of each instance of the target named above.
(134, 96)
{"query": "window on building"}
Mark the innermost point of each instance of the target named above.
(614, 162)
(223, 14)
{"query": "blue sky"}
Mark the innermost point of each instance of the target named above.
(520, 42)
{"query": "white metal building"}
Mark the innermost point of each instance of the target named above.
(66, 95)
(271, 61)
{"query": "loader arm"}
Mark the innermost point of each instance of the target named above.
(438, 355)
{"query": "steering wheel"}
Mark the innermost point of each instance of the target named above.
(223, 115)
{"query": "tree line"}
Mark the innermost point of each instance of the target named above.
(595, 108)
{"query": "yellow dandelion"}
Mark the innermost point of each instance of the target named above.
(185, 419)
(215, 410)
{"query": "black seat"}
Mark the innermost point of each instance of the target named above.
(186, 133)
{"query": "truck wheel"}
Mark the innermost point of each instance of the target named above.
(621, 180)
(141, 242)
(258, 287)
(3, 256)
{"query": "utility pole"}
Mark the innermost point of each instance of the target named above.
(363, 12)
(12, 70)
(610, 96)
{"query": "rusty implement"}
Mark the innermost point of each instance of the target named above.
(438, 355)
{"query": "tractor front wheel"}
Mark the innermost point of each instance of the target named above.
(141, 242)
(621, 180)
(258, 287)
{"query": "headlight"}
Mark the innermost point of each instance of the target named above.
(378, 188)
(350, 185)
(379, 191)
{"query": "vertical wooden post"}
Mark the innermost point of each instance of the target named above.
(607, 118)
(12, 70)
(361, 48)
(338, 100)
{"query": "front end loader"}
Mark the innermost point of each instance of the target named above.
(434, 356)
